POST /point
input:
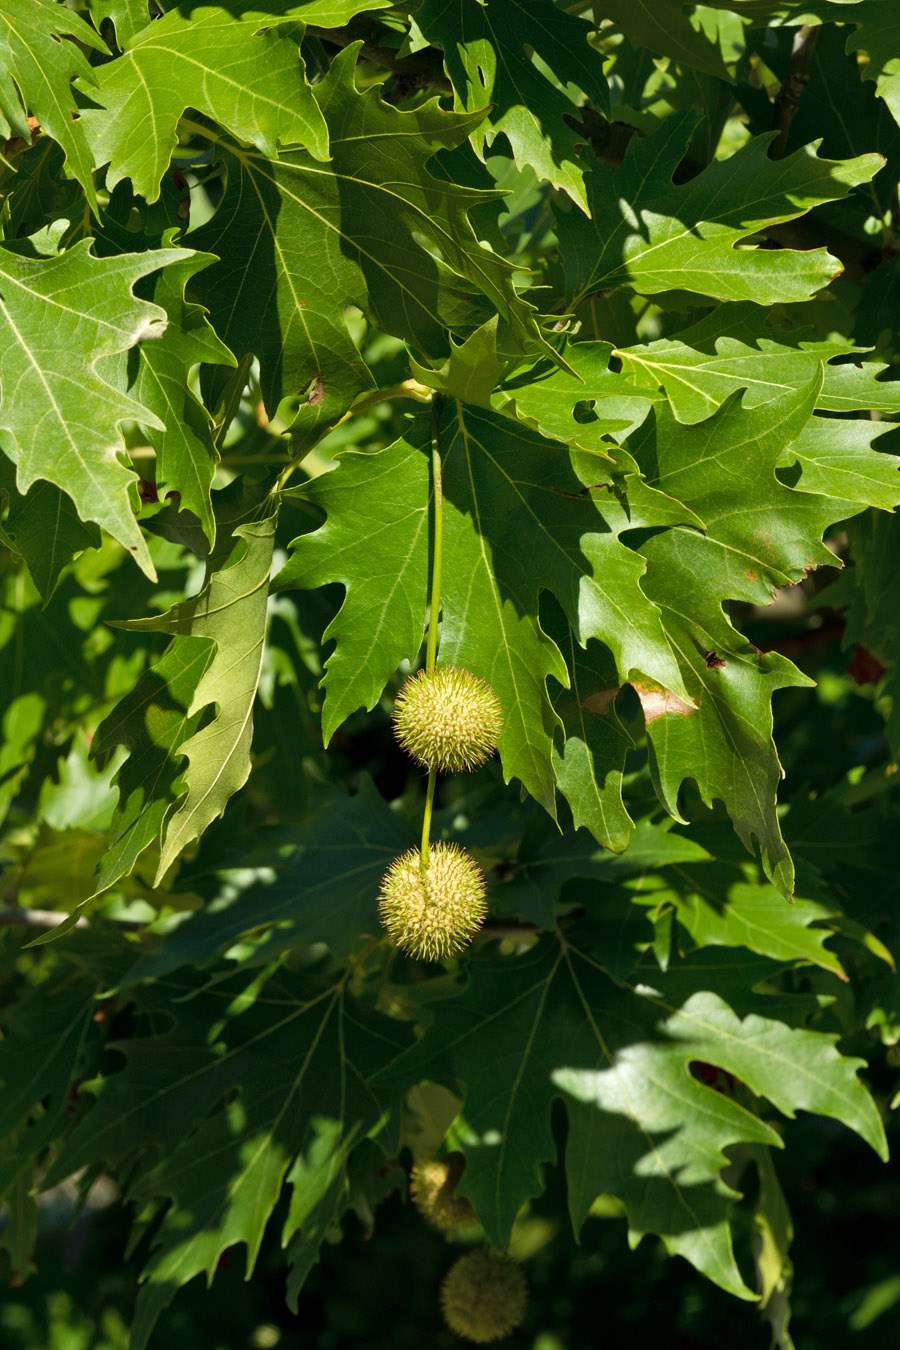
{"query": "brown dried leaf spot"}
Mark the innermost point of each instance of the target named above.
(658, 702)
(600, 702)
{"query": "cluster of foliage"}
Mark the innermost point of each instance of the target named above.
(619, 281)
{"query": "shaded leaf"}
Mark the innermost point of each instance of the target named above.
(504, 484)
(231, 609)
(376, 230)
(654, 235)
(153, 722)
(584, 404)
(185, 453)
(292, 1059)
(589, 764)
(641, 1127)
(878, 35)
(871, 590)
(43, 528)
(317, 881)
(472, 371)
(764, 537)
(489, 65)
(35, 60)
(375, 541)
(664, 27)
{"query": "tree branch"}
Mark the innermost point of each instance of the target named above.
(796, 80)
(13, 916)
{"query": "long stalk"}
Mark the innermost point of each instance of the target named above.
(431, 650)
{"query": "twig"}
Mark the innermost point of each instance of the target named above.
(496, 929)
(796, 80)
(17, 917)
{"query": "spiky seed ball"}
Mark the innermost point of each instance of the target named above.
(433, 911)
(432, 1185)
(448, 719)
(483, 1296)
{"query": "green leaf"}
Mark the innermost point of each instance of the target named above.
(185, 453)
(38, 60)
(43, 528)
(589, 765)
(734, 347)
(376, 230)
(774, 1231)
(472, 371)
(129, 16)
(547, 861)
(766, 539)
(231, 609)
(39, 191)
(83, 796)
(641, 1127)
(664, 28)
(584, 404)
(654, 235)
(375, 542)
(721, 902)
(504, 484)
(293, 1058)
(153, 722)
(318, 882)
(878, 35)
(848, 388)
(58, 318)
(489, 64)
(834, 84)
(251, 82)
(835, 459)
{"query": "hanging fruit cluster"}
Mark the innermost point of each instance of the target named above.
(432, 899)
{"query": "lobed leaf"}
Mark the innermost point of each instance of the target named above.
(765, 536)
(250, 81)
(59, 316)
(231, 610)
(300, 242)
(654, 235)
(641, 1127)
(490, 65)
(37, 66)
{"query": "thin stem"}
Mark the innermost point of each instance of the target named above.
(595, 317)
(406, 389)
(431, 651)
(426, 822)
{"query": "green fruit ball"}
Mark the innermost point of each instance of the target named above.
(448, 719)
(483, 1297)
(432, 1185)
(433, 911)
